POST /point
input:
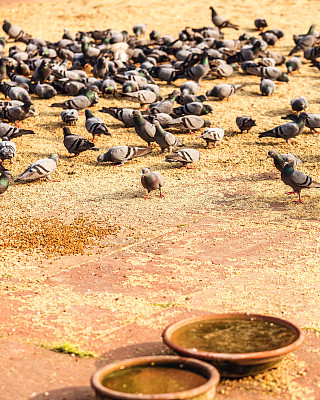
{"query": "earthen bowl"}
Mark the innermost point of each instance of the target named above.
(236, 365)
(205, 391)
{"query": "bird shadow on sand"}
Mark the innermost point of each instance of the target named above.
(265, 144)
(121, 194)
(264, 176)
(278, 112)
(253, 94)
(68, 393)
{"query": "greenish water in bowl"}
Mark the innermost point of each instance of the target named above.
(153, 379)
(234, 336)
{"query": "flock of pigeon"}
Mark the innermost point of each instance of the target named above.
(135, 63)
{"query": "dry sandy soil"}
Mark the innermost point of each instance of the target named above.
(224, 238)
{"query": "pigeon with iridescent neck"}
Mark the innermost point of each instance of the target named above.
(279, 160)
(152, 181)
(143, 128)
(87, 99)
(197, 72)
(297, 180)
(288, 130)
(299, 104)
(164, 139)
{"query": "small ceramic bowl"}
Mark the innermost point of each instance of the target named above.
(236, 364)
(205, 391)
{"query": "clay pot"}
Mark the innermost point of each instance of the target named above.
(206, 391)
(236, 364)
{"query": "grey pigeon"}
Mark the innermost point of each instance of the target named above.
(164, 119)
(212, 135)
(297, 180)
(11, 132)
(15, 32)
(185, 156)
(143, 97)
(124, 115)
(224, 90)
(299, 104)
(304, 43)
(280, 159)
(152, 181)
(108, 86)
(220, 21)
(194, 108)
(190, 87)
(272, 73)
(80, 102)
(293, 64)
(140, 29)
(312, 121)
(119, 155)
(143, 128)
(18, 113)
(245, 123)
(267, 62)
(164, 139)
(267, 87)
(15, 92)
(40, 169)
(4, 179)
(184, 99)
(197, 72)
(76, 144)
(96, 126)
(44, 91)
(70, 117)
(190, 123)
(164, 106)
(7, 149)
(221, 71)
(288, 130)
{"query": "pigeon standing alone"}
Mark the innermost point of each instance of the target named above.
(212, 135)
(245, 123)
(70, 117)
(152, 181)
(220, 21)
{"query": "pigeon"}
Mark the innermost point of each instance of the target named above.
(260, 23)
(288, 130)
(299, 104)
(43, 91)
(221, 22)
(96, 126)
(267, 87)
(143, 128)
(41, 73)
(164, 106)
(15, 32)
(280, 159)
(80, 102)
(143, 97)
(164, 119)
(40, 169)
(70, 117)
(18, 113)
(304, 42)
(76, 144)
(224, 91)
(119, 155)
(12, 132)
(7, 149)
(197, 72)
(296, 179)
(293, 64)
(108, 86)
(4, 179)
(245, 123)
(189, 87)
(212, 135)
(184, 99)
(164, 139)
(152, 181)
(139, 29)
(15, 92)
(190, 123)
(267, 62)
(185, 156)
(194, 108)
(124, 115)
(221, 71)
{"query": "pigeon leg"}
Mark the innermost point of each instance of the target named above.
(160, 195)
(299, 200)
(189, 167)
(17, 124)
(52, 180)
(147, 196)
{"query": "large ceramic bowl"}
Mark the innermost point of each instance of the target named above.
(208, 375)
(234, 364)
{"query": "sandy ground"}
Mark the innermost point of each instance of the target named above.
(224, 238)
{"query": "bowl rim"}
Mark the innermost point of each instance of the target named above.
(210, 370)
(206, 355)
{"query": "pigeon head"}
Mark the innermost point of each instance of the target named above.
(272, 154)
(54, 157)
(66, 131)
(284, 78)
(207, 123)
(103, 157)
(88, 114)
